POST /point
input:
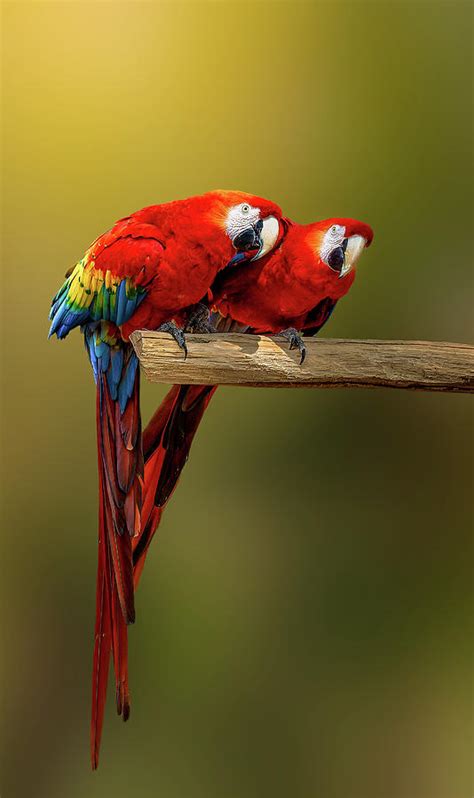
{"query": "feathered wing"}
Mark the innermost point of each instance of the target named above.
(110, 281)
(102, 292)
(166, 443)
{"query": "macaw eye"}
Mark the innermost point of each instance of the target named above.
(245, 208)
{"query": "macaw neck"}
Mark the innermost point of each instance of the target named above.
(312, 278)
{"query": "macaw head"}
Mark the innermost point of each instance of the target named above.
(251, 223)
(338, 243)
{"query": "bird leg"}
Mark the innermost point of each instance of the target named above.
(295, 340)
(177, 333)
(199, 320)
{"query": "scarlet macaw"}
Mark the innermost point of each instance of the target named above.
(146, 272)
(294, 288)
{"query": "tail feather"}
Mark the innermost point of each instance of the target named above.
(120, 493)
(120, 657)
(141, 551)
(102, 641)
(166, 441)
(117, 531)
(154, 429)
(178, 436)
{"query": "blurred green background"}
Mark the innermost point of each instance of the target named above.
(304, 620)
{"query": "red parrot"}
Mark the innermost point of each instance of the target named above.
(294, 288)
(148, 271)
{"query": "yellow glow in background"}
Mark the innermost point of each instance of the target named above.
(303, 621)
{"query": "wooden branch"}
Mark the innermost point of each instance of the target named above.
(261, 361)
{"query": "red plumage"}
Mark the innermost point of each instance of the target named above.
(149, 269)
(120, 492)
(189, 246)
(281, 290)
(292, 287)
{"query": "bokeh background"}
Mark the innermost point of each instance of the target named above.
(304, 622)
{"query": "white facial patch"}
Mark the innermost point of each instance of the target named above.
(332, 238)
(240, 217)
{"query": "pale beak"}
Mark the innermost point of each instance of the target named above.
(353, 250)
(268, 236)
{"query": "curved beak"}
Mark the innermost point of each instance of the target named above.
(352, 247)
(269, 233)
(261, 237)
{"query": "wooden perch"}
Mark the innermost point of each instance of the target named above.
(258, 361)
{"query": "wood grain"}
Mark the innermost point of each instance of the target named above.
(261, 361)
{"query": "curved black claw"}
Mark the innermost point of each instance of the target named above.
(177, 333)
(200, 320)
(295, 341)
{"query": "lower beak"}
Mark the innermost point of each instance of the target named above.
(353, 247)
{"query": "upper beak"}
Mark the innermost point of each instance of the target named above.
(269, 232)
(352, 247)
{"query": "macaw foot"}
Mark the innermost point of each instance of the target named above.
(177, 333)
(295, 340)
(200, 320)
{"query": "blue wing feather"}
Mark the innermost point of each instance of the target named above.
(114, 358)
(73, 307)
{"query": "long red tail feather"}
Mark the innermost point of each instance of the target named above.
(103, 637)
(120, 492)
(167, 440)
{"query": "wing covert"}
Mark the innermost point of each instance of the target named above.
(110, 281)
